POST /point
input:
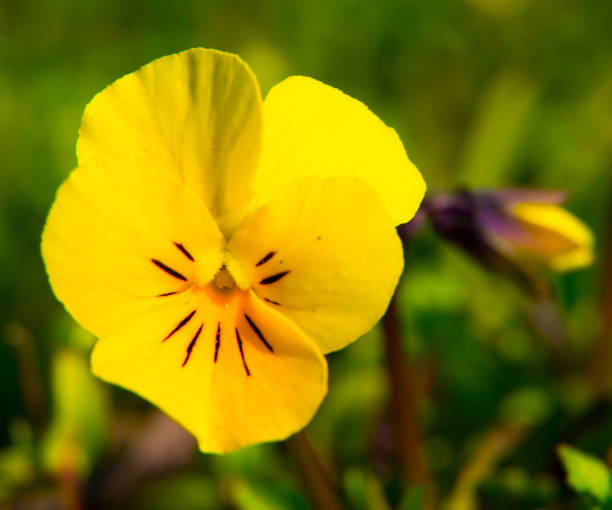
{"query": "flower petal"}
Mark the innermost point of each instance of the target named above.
(111, 246)
(312, 129)
(236, 372)
(558, 236)
(195, 115)
(325, 254)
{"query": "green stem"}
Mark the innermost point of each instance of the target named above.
(600, 375)
(317, 483)
(29, 373)
(405, 420)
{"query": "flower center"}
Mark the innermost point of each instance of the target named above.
(223, 280)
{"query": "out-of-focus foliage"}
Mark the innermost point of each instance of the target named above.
(588, 475)
(17, 467)
(77, 433)
(483, 93)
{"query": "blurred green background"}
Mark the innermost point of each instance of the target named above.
(483, 93)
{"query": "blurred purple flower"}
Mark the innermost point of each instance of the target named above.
(521, 228)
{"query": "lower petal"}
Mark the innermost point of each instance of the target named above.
(229, 368)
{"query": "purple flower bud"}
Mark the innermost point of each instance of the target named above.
(513, 231)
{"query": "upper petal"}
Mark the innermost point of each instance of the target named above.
(312, 129)
(325, 253)
(195, 115)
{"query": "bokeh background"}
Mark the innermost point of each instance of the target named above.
(483, 93)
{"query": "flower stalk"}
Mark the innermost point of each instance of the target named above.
(29, 373)
(407, 435)
(599, 374)
(318, 485)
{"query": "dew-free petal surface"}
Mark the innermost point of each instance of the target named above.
(195, 115)
(312, 129)
(253, 392)
(102, 237)
(325, 253)
(562, 239)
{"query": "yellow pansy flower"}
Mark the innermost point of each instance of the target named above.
(218, 245)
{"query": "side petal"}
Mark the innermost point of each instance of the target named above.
(325, 254)
(236, 373)
(110, 248)
(195, 115)
(314, 130)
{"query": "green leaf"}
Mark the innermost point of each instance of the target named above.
(526, 406)
(412, 499)
(246, 495)
(586, 474)
(364, 490)
(182, 491)
(17, 470)
(78, 431)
